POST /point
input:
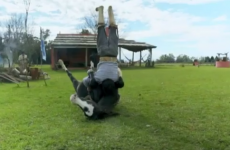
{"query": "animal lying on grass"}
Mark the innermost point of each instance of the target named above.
(91, 109)
(96, 103)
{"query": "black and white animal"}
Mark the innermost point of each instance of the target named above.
(99, 102)
(94, 58)
(90, 108)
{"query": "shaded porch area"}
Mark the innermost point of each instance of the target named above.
(136, 47)
(75, 49)
(72, 57)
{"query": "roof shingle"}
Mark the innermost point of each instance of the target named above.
(82, 40)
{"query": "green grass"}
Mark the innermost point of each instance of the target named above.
(162, 108)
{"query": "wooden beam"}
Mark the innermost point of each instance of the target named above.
(86, 57)
(73, 46)
(56, 56)
(150, 50)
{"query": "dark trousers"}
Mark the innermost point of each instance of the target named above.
(107, 46)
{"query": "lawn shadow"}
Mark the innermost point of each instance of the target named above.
(148, 68)
(155, 129)
(72, 70)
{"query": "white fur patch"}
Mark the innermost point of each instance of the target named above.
(76, 100)
(62, 64)
(24, 71)
(119, 72)
(91, 65)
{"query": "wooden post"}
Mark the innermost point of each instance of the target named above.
(86, 57)
(55, 58)
(52, 58)
(140, 59)
(150, 50)
(55, 55)
(133, 57)
(120, 54)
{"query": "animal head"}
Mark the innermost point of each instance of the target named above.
(74, 98)
(85, 105)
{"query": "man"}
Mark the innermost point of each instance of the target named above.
(107, 48)
(22, 61)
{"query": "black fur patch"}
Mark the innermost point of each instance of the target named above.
(86, 109)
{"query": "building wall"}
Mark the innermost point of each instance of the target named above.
(52, 58)
(1, 61)
(72, 57)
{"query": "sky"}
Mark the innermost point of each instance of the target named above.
(192, 27)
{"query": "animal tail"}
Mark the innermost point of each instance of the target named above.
(72, 79)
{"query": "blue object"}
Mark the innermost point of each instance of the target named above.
(43, 50)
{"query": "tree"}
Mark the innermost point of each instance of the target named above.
(85, 31)
(3, 54)
(193, 58)
(36, 55)
(207, 59)
(18, 38)
(202, 59)
(170, 58)
(2, 46)
(27, 7)
(14, 32)
(217, 58)
(183, 59)
(212, 59)
(90, 23)
(46, 33)
(91, 20)
(12, 36)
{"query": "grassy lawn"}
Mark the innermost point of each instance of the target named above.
(168, 107)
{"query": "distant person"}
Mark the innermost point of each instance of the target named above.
(22, 61)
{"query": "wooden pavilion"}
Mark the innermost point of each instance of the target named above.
(75, 49)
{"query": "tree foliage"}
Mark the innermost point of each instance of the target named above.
(170, 58)
(19, 36)
(90, 22)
